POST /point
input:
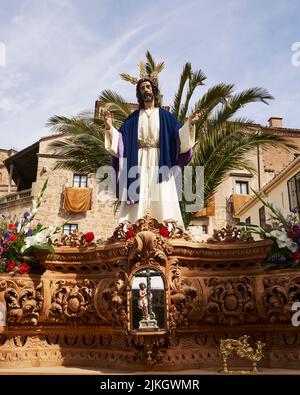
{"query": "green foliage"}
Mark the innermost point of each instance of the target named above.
(284, 231)
(19, 238)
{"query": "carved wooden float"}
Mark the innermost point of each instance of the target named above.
(81, 310)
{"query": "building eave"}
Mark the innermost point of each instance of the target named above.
(271, 184)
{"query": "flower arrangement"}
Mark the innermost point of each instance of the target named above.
(129, 234)
(285, 233)
(164, 231)
(18, 239)
(77, 239)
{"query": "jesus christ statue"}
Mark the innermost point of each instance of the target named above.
(151, 138)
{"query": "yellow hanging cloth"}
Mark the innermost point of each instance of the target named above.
(77, 200)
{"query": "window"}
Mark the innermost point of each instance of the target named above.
(79, 181)
(68, 228)
(293, 185)
(248, 220)
(204, 229)
(262, 216)
(241, 187)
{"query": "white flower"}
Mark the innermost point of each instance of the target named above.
(279, 234)
(293, 246)
(283, 240)
(26, 227)
(39, 238)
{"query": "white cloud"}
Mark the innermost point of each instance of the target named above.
(59, 57)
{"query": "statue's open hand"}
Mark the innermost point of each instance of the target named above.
(194, 118)
(107, 118)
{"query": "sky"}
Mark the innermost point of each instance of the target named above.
(56, 56)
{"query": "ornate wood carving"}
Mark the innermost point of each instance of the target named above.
(150, 224)
(74, 239)
(230, 234)
(279, 295)
(182, 295)
(116, 297)
(151, 348)
(220, 283)
(231, 301)
(149, 248)
(72, 300)
(24, 301)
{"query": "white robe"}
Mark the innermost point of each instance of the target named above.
(159, 200)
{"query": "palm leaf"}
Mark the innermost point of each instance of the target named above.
(82, 147)
(196, 79)
(114, 102)
(237, 101)
(185, 75)
(150, 63)
(143, 71)
(157, 69)
(129, 78)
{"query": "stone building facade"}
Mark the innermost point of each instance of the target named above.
(38, 163)
(283, 191)
(6, 186)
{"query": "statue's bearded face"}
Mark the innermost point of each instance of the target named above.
(146, 92)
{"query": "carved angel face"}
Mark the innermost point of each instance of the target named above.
(119, 284)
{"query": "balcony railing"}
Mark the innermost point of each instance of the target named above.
(15, 197)
(238, 201)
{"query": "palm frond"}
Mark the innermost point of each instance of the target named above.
(150, 63)
(83, 145)
(196, 79)
(115, 103)
(129, 78)
(142, 68)
(75, 125)
(157, 69)
(214, 96)
(227, 150)
(239, 100)
(185, 75)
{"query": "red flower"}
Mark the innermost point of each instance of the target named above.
(164, 231)
(296, 256)
(24, 268)
(12, 227)
(294, 231)
(129, 234)
(10, 266)
(89, 237)
(12, 237)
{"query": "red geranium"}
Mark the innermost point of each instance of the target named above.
(89, 237)
(12, 237)
(10, 266)
(129, 234)
(24, 268)
(12, 227)
(296, 256)
(164, 231)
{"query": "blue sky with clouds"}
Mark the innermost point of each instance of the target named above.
(60, 54)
